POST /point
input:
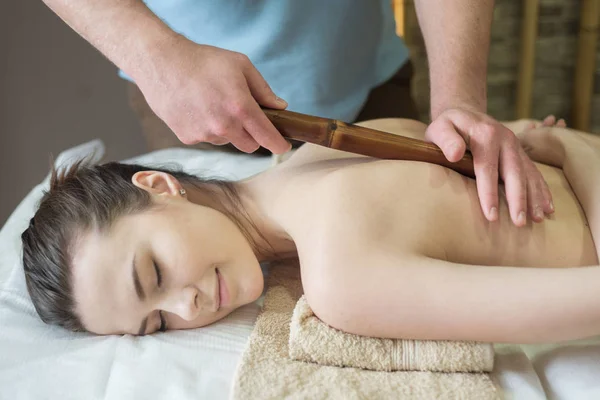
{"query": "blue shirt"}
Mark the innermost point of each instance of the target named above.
(321, 56)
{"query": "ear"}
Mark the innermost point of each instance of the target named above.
(155, 182)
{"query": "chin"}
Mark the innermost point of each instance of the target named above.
(252, 294)
(249, 287)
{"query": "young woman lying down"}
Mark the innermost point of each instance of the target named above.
(392, 249)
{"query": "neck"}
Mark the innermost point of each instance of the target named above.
(248, 207)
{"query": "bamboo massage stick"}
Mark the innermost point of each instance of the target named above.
(360, 140)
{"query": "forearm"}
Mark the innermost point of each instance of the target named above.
(125, 31)
(457, 36)
(428, 299)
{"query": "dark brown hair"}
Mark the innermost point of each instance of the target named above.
(80, 198)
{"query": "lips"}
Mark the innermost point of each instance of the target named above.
(217, 301)
(223, 292)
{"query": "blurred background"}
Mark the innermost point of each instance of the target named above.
(533, 61)
(57, 91)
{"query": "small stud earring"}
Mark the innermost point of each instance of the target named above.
(182, 191)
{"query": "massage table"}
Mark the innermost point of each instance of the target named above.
(44, 362)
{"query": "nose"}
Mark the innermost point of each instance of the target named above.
(185, 303)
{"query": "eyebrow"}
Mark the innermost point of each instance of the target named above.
(140, 293)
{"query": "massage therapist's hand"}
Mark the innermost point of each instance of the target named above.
(207, 94)
(496, 153)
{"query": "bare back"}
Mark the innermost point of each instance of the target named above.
(343, 203)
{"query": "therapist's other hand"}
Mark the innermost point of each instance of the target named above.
(207, 94)
(496, 152)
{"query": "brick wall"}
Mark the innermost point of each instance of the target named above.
(556, 48)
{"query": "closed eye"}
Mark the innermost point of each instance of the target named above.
(163, 322)
(158, 274)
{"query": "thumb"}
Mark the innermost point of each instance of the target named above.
(444, 135)
(261, 91)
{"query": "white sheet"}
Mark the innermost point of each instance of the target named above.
(42, 362)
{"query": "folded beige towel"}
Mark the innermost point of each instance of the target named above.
(312, 340)
(267, 372)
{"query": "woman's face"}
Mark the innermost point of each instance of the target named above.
(177, 265)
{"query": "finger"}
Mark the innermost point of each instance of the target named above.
(538, 193)
(261, 90)
(550, 120)
(229, 129)
(263, 132)
(515, 184)
(561, 123)
(445, 136)
(535, 191)
(217, 140)
(542, 197)
(547, 203)
(243, 141)
(485, 163)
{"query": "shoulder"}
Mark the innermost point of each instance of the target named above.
(353, 210)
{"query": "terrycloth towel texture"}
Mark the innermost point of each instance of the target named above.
(312, 340)
(267, 372)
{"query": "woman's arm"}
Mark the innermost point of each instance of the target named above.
(425, 298)
(430, 299)
(413, 296)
